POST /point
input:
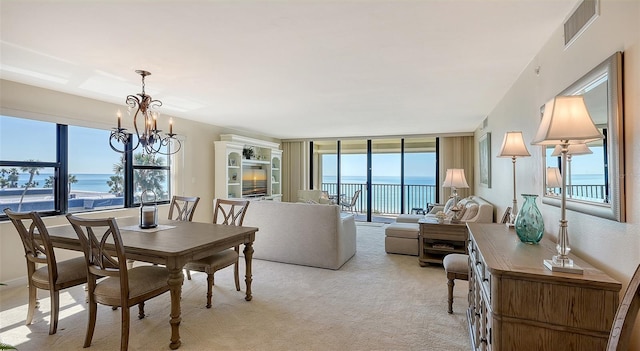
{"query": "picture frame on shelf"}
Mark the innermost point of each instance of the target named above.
(484, 149)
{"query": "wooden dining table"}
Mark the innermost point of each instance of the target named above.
(172, 244)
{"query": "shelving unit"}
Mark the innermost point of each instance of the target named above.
(437, 240)
(239, 177)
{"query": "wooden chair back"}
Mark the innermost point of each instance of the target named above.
(184, 206)
(230, 212)
(620, 335)
(36, 242)
(100, 240)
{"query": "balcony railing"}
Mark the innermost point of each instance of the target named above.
(385, 198)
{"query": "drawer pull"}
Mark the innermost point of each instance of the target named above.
(483, 340)
(485, 280)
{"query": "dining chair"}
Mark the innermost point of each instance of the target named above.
(351, 204)
(227, 212)
(53, 276)
(108, 279)
(185, 207)
(622, 329)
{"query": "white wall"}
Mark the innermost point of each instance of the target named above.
(611, 246)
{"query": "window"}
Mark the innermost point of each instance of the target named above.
(54, 169)
(93, 182)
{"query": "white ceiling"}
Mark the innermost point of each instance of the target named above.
(286, 69)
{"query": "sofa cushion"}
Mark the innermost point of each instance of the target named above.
(470, 212)
(448, 205)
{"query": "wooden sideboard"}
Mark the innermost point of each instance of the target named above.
(515, 303)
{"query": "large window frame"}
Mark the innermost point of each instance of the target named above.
(60, 168)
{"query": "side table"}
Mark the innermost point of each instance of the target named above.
(437, 240)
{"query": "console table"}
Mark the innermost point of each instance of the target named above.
(437, 240)
(515, 303)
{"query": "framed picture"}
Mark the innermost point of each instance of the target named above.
(484, 147)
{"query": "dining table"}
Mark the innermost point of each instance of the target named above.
(172, 244)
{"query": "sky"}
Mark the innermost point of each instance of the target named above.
(383, 165)
(24, 139)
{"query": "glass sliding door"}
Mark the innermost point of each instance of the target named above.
(353, 177)
(420, 173)
(386, 179)
(390, 176)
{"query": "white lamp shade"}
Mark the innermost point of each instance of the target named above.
(455, 179)
(513, 146)
(554, 179)
(573, 149)
(566, 120)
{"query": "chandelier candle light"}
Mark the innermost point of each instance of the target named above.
(152, 139)
(566, 121)
(513, 146)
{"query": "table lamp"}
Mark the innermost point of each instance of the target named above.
(574, 149)
(554, 179)
(455, 179)
(566, 121)
(513, 146)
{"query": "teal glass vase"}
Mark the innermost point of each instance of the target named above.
(529, 224)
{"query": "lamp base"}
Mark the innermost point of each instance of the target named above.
(564, 268)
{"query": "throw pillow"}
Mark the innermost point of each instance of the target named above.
(471, 211)
(448, 205)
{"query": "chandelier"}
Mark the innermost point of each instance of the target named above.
(149, 138)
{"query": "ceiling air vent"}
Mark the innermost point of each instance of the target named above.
(580, 19)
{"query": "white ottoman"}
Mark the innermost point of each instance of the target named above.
(402, 238)
(409, 218)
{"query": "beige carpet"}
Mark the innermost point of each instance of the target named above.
(376, 301)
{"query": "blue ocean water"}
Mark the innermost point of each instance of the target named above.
(86, 182)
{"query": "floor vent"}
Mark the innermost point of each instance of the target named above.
(580, 19)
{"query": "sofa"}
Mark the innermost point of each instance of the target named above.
(302, 233)
(402, 237)
(484, 213)
(313, 197)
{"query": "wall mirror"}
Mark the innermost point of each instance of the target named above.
(595, 174)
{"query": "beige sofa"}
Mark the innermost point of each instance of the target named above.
(483, 215)
(402, 237)
(301, 233)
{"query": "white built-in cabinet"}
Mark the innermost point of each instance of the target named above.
(259, 176)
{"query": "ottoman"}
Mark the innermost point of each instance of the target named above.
(409, 218)
(402, 238)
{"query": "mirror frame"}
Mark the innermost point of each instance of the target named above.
(616, 207)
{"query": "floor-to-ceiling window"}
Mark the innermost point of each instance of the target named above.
(392, 175)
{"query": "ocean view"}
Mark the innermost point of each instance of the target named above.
(86, 182)
(98, 182)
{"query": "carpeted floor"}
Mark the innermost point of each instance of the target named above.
(376, 301)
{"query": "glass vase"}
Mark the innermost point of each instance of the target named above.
(529, 224)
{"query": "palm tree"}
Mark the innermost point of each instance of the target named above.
(9, 178)
(72, 180)
(116, 184)
(33, 171)
(49, 182)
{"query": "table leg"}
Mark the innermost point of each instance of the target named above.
(248, 255)
(175, 288)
